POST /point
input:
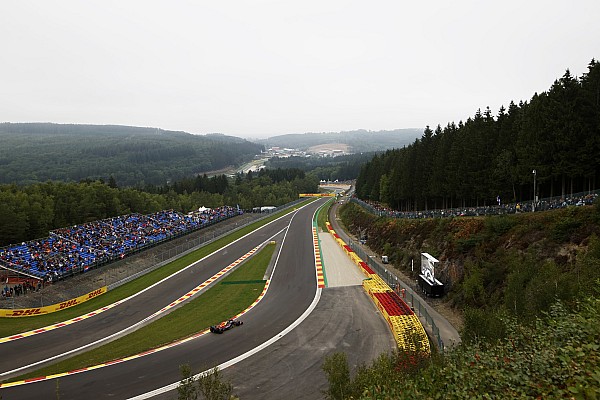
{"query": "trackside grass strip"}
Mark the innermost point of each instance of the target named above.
(12, 326)
(218, 303)
(322, 215)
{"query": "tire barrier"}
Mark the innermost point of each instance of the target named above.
(405, 325)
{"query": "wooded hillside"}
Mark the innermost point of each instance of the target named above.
(38, 152)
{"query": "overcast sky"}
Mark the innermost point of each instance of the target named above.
(263, 68)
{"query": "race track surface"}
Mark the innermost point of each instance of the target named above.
(345, 320)
(292, 289)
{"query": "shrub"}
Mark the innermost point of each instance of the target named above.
(338, 375)
(499, 225)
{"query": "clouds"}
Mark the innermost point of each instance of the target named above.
(264, 67)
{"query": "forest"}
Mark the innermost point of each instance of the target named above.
(31, 211)
(553, 138)
(38, 152)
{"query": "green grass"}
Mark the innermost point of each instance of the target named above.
(218, 303)
(322, 216)
(11, 326)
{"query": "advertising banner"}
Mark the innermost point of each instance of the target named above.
(30, 312)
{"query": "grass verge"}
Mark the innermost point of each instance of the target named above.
(218, 303)
(12, 326)
(322, 216)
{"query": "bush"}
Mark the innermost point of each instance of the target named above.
(186, 389)
(563, 229)
(483, 325)
(211, 385)
(499, 225)
(338, 375)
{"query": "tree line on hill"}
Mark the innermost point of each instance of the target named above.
(37, 152)
(342, 168)
(553, 139)
(31, 211)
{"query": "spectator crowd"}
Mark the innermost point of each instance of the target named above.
(80, 247)
(20, 289)
(496, 209)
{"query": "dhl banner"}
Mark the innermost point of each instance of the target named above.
(316, 195)
(30, 312)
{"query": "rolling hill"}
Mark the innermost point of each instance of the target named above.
(37, 152)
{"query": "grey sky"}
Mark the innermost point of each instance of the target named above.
(262, 68)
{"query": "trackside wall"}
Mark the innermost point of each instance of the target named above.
(29, 312)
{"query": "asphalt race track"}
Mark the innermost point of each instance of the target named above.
(345, 320)
(39, 347)
(337, 319)
(292, 290)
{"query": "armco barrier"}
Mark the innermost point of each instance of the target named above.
(406, 327)
(29, 312)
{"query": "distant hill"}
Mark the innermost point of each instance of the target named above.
(359, 140)
(37, 152)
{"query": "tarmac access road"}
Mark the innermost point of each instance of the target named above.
(339, 268)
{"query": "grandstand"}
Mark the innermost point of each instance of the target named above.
(76, 249)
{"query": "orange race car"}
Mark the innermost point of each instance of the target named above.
(225, 325)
